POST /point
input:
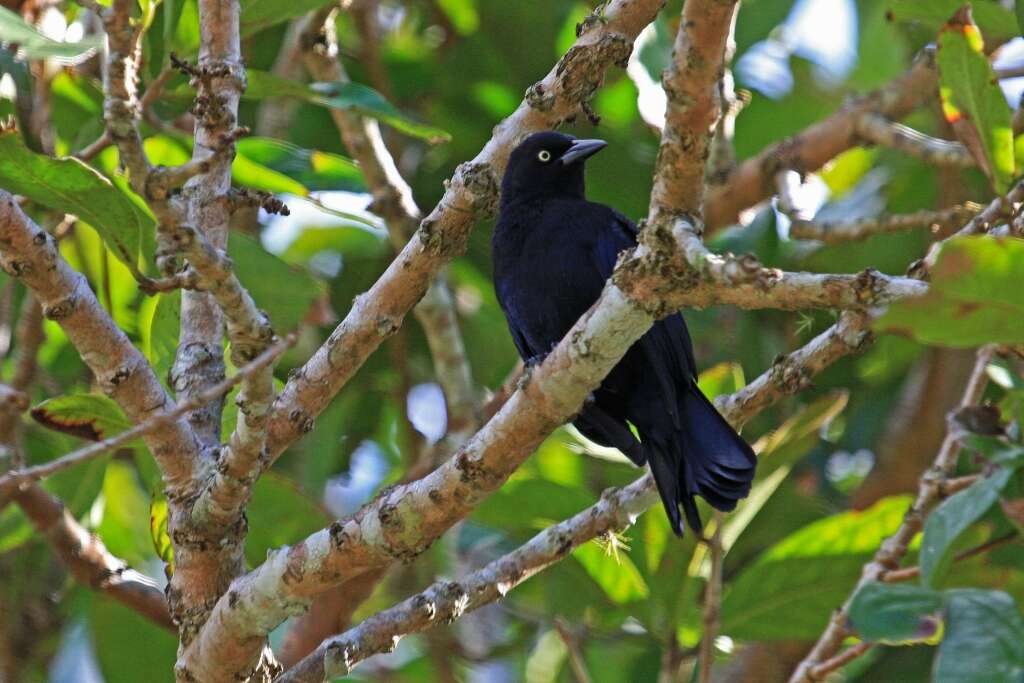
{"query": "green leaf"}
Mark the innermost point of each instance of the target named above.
(88, 416)
(724, 378)
(245, 171)
(35, 45)
(285, 292)
(945, 524)
(1019, 7)
(984, 639)
(70, 186)
(279, 513)
(160, 337)
(897, 614)
(974, 296)
(124, 528)
(995, 20)
(617, 575)
(259, 14)
(314, 169)
(127, 644)
(345, 96)
(462, 14)
(348, 241)
(158, 533)
(770, 600)
(972, 100)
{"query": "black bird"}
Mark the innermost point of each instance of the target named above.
(553, 251)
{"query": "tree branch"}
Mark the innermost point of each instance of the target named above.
(394, 202)
(472, 193)
(940, 223)
(31, 255)
(894, 548)
(19, 478)
(809, 150)
(88, 559)
(880, 130)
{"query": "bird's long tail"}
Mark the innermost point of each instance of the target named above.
(705, 457)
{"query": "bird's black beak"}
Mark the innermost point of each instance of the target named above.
(582, 149)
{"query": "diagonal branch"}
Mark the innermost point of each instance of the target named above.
(472, 193)
(31, 255)
(88, 559)
(393, 200)
(17, 478)
(809, 150)
(403, 522)
(894, 548)
(878, 129)
(940, 223)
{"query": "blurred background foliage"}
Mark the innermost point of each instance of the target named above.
(837, 460)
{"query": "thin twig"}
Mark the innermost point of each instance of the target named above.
(934, 151)
(712, 601)
(909, 573)
(19, 477)
(940, 223)
(894, 548)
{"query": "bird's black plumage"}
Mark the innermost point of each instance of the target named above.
(553, 251)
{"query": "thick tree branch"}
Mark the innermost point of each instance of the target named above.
(894, 548)
(809, 150)
(88, 560)
(471, 194)
(28, 253)
(403, 522)
(394, 202)
(445, 601)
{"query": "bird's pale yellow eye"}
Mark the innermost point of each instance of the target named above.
(544, 155)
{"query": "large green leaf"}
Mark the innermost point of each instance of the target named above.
(347, 96)
(35, 45)
(283, 291)
(125, 528)
(984, 640)
(896, 613)
(974, 298)
(948, 521)
(770, 599)
(972, 100)
(70, 186)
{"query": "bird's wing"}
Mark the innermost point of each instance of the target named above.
(518, 336)
(667, 346)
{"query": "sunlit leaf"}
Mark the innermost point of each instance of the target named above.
(972, 101)
(347, 96)
(974, 296)
(126, 507)
(770, 599)
(158, 534)
(617, 575)
(70, 186)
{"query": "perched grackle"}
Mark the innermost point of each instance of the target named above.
(553, 251)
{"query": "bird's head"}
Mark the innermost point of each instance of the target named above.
(547, 164)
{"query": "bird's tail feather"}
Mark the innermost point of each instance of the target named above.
(706, 457)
